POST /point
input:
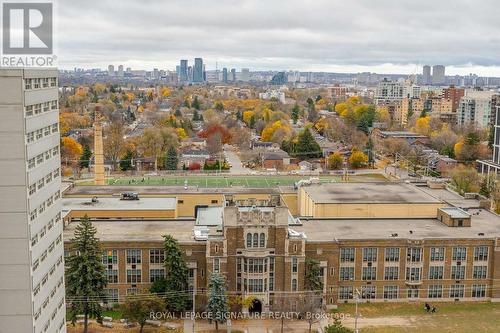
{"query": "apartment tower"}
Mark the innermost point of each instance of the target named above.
(31, 247)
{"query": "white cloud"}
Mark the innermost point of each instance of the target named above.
(274, 34)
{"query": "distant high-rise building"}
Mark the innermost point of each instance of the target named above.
(493, 166)
(233, 74)
(31, 244)
(245, 75)
(224, 75)
(426, 75)
(198, 70)
(156, 73)
(183, 71)
(128, 70)
(279, 79)
(438, 75)
(476, 107)
(389, 91)
(111, 70)
(120, 71)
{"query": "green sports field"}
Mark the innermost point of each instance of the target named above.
(205, 181)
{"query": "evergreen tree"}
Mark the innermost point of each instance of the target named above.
(313, 279)
(219, 106)
(252, 121)
(126, 161)
(178, 113)
(196, 103)
(86, 274)
(171, 160)
(85, 158)
(306, 146)
(176, 281)
(312, 114)
(196, 115)
(295, 113)
(217, 303)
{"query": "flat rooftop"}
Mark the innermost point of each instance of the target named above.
(353, 229)
(138, 231)
(114, 203)
(210, 216)
(381, 192)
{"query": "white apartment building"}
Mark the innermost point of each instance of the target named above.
(31, 249)
(389, 91)
(475, 108)
(277, 94)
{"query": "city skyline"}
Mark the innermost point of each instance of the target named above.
(328, 37)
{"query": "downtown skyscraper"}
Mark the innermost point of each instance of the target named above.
(198, 75)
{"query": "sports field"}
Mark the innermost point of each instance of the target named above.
(216, 181)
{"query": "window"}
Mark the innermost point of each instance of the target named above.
(110, 257)
(255, 240)
(216, 265)
(249, 240)
(478, 290)
(368, 292)
(31, 163)
(111, 295)
(480, 272)
(112, 275)
(413, 273)
(347, 254)
(392, 254)
(28, 110)
(436, 272)
(53, 105)
(32, 189)
(391, 273)
(132, 291)
(55, 128)
(457, 272)
(345, 292)
(53, 81)
(156, 256)
(30, 137)
(437, 253)
(346, 273)
(294, 284)
(481, 253)
(457, 291)
(294, 265)
(27, 84)
(414, 254)
(262, 240)
(435, 291)
(133, 276)
(459, 253)
(133, 256)
(156, 274)
(255, 285)
(369, 254)
(369, 273)
(390, 292)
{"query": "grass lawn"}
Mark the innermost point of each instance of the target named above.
(228, 180)
(463, 317)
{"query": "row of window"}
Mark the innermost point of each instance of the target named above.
(54, 313)
(414, 254)
(43, 231)
(433, 291)
(44, 205)
(38, 83)
(413, 273)
(135, 275)
(39, 108)
(42, 283)
(51, 295)
(42, 132)
(256, 240)
(47, 179)
(47, 251)
(45, 156)
(133, 256)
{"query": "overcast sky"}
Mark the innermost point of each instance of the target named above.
(384, 36)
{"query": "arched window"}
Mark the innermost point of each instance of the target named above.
(294, 284)
(249, 240)
(255, 240)
(262, 240)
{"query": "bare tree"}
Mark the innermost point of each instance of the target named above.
(113, 142)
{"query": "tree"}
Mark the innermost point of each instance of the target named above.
(295, 113)
(171, 159)
(126, 161)
(85, 158)
(113, 142)
(306, 146)
(86, 274)
(217, 302)
(139, 309)
(214, 144)
(70, 149)
(196, 103)
(312, 300)
(358, 159)
(313, 276)
(336, 327)
(335, 161)
(151, 144)
(176, 281)
(465, 179)
(312, 114)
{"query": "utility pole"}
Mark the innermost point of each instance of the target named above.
(356, 298)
